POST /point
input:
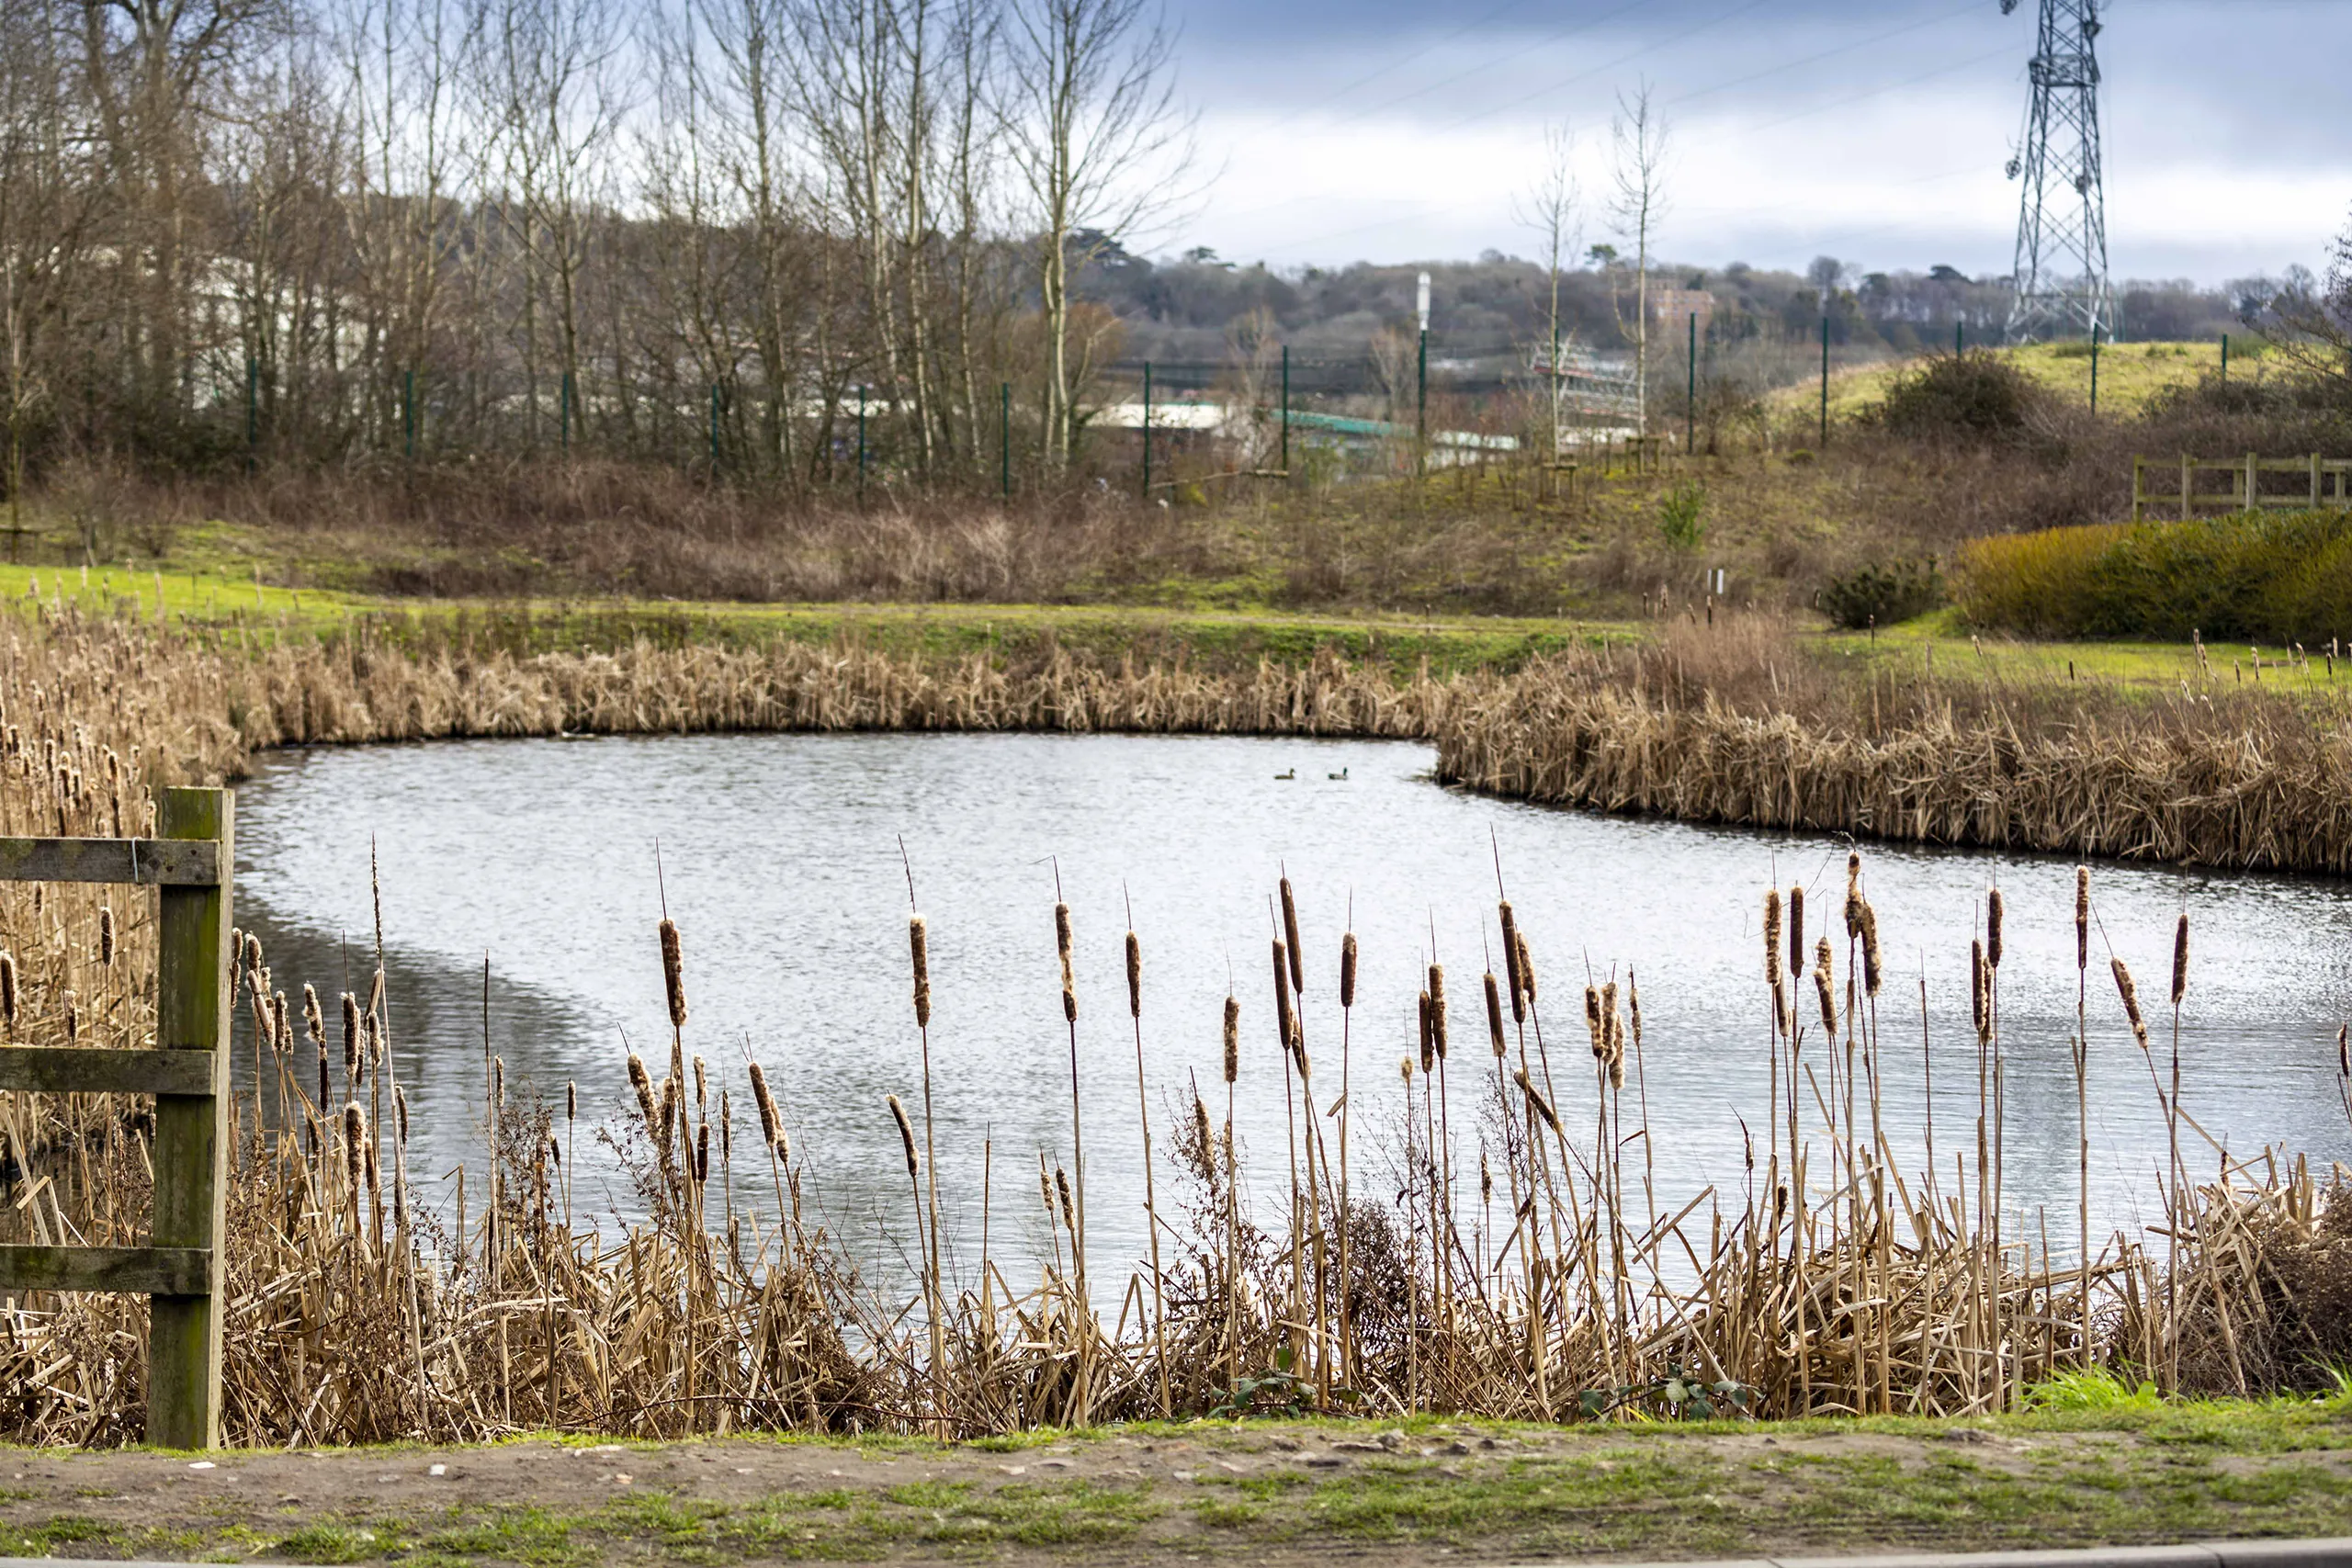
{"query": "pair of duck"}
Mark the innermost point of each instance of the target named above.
(1339, 777)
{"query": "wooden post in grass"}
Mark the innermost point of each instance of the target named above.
(190, 864)
(191, 1130)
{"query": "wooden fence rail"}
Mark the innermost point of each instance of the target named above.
(2318, 482)
(180, 1269)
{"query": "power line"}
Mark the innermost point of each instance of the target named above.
(1827, 53)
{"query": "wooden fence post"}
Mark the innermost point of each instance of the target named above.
(2139, 488)
(191, 1130)
(2188, 484)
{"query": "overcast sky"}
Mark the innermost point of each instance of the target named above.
(1874, 130)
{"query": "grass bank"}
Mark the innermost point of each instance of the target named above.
(1282, 1492)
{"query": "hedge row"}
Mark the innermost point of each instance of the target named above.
(2276, 577)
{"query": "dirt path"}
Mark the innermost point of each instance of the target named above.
(1279, 1494)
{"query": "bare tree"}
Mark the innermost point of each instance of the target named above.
(1638, 136)
(1098, 140)
(1554, 208)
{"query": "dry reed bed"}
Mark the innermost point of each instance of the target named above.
(1520, 1267)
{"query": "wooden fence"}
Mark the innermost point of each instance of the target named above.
(2317, 483)
(190, 864)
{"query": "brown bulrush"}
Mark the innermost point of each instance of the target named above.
(1797, 931)
(2082, 917)
(1854, 896)
(1870, 972)
(1062, 947)
(771, 1120)
(906, 1133)
(1437, 1010)
(1348, 970)
(1980, 994)
(1232, 1039)
(2131, 995)
(1494, 1016)
(1135, 977)
(1290, 937)
(106, 934)
(1511, 963)
(1823, 991)
(2180, 959)
(674, 973)
(1994, 908)
(919, 948)
(1773, 936)
(8, 991)
(1428, 1043)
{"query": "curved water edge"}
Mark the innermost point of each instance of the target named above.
(780, 859)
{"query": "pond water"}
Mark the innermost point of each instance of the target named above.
(780, 857)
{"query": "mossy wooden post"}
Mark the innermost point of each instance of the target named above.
(191, 1130)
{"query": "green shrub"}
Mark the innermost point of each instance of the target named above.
(1972, 396)
(1881, 595)
(2279, 577)
(1681, 522)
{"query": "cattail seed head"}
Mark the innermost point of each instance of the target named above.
(400, 1114)
(906, 1132)
(702, 1152)
(1797, 931)
(702, 1096)
(1232, 1039)
(72, 1020)
(642, 1082)
(1298, 1052)
(555, 1152)
(1542, 1106)
(674, 973)
(1772, 933)
(1593, 1018)
(1823, 993)
(314, 1019)
(1348, 970)
(1494, 1015)
(2344, 1051)
(1428, 1044)
(1281, 995)
(571, 1101)
(2131, 995)
(1870, 972)
(771, 1121)
(1061, 1187)
(2180, 959)
(1290, 936)
(355, 1139)
(1980, 991)
(1510, 962)
(1405, 1069)
(106, 934)
(918, 946)
(350, 1029)
(8, 989)
(498, 1080)
(1135, 977)
(1062, 946)
(253, 951)
(282, 1020)
(1993, 909)
(1437, 1009)
(725, 1127)
(1633, 1004)
(2082, 917)
(1201, 1128)
(1526, 966)
(1485, 1180)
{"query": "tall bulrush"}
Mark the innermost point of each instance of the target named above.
(1150, 1194)
(919, 955)
(1062, 946)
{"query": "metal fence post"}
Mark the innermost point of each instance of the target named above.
(1146, 430)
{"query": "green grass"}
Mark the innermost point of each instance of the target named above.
(2129, 375)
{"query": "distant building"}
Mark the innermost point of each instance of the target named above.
(1680, 304)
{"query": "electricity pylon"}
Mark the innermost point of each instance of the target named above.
(2062, 289)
